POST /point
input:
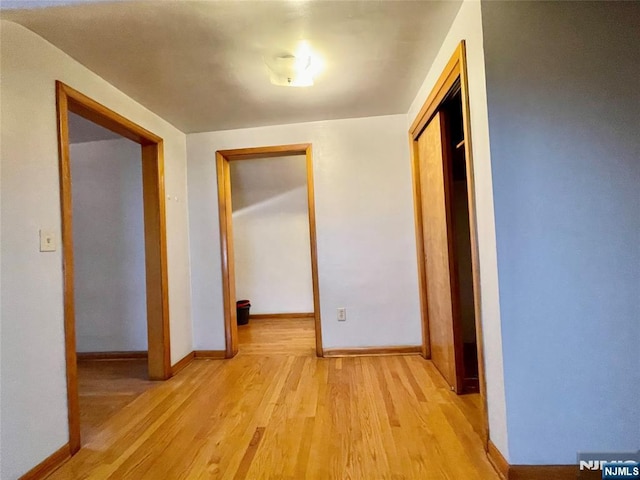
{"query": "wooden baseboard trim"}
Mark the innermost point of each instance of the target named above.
(49, 464)
(535, 472)
(201, 354)
(111, 355)
(269, 316)
(372, 351)
(549, 472)
(214, 354)
(497, 460)
(182, 363)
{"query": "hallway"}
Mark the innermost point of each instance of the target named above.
(285, 414)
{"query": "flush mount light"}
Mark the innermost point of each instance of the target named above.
(294, 70)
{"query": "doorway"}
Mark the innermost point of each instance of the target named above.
(446, 240)
(231, 202)
(109, 272)
(70, 101)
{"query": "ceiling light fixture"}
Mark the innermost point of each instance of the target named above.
(294, 70)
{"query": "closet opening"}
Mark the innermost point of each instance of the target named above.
(461, 240)
(447, 235)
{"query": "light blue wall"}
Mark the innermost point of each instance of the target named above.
(564, 123)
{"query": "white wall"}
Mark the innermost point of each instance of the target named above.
(468, 26)
(365, 229)
(108, 246)
(564, 117)
(271, 234)
(33, 404)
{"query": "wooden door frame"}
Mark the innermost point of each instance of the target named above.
(456, 69)
(223, 159)
(159, 357)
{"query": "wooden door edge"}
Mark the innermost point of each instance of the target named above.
(456, 68)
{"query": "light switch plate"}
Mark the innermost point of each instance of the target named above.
(47, 241)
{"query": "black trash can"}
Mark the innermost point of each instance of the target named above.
(242, 311)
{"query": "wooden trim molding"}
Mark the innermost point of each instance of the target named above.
(197, 354)
(420, 255)
(226, 253)
(442, 86)
(373, 351)
(159, 361)
(156, 263)
(455, 69)
(268, 316)
(97, 113)
(497, 460)
(311, 202)
(111, 355)
(535, 472)
(265, 152)
(49, 464)
(73, 401)
(182, 363)
(212, 354)
(550, 472)
(223, 158)
(473, 230)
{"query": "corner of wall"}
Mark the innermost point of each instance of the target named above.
(468, 26)
(33, 349)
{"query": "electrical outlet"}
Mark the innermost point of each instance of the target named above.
(342, 314)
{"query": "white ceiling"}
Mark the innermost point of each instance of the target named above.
(256, 181)
(199, 64)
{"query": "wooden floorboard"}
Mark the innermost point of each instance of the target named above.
(277, 336)
(276, 411)
(107, 386)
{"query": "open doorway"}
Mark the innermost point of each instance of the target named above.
(93, 236)
(446, 239)
(272, 255)
(267, 225)
(110, 291)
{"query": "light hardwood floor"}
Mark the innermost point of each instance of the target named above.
(107, 386)
(278, 412)
(278, 336)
